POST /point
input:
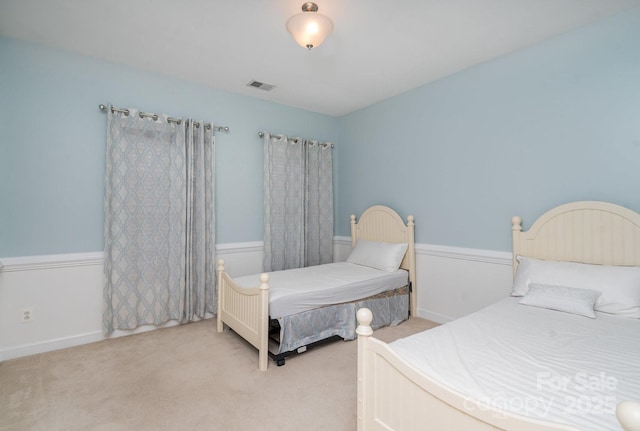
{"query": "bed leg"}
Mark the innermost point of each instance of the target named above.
(220, 270)
(263, 359)
(263, 349)
(364, 331)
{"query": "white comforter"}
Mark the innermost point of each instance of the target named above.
(536, 362)
(297, 290)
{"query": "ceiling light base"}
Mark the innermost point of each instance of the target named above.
(309, 7)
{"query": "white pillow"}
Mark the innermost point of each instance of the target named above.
(560, 298)
(619, 285)
(384, 256)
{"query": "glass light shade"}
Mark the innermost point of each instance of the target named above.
(309, 29)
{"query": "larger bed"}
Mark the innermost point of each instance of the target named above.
(293, 309)
(521, 367)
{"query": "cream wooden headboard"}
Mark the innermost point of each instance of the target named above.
(381, 223)
(586, 232)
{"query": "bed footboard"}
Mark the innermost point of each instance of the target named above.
(628, 413)
(246, 311)
(393, 395)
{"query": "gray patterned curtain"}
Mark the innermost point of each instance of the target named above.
(318, 204)
(159, 221)
(298, 203)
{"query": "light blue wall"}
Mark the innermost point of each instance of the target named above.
(553, 123)
(52, 145)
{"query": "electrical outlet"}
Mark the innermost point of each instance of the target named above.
(27, 314)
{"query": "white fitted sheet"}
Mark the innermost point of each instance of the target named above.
(536, 362)
(301, 289)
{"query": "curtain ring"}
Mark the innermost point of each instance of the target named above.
(124, 111)
(152, 116)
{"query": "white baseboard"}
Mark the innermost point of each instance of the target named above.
(50, 345)
(433, 316)
(79, 340)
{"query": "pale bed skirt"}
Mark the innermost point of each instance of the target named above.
(301, 329)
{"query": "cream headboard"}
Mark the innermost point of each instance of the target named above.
(381, 223)
(587, 232)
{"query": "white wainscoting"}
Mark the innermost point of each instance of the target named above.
(453, 282)
(65, 291)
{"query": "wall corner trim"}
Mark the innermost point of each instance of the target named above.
(53, 261)
(50, 261)
(449, 252)
(472, 254)
(240, 247)
(342, 240)
(30, 263)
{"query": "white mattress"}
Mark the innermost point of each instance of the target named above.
(296, 290)
(535, 362)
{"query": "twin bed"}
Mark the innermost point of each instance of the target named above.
(295, 309)
(562, 353)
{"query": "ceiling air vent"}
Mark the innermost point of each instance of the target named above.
(261, 85)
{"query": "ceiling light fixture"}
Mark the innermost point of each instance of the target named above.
(309, 28)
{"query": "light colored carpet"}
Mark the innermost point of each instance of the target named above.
(184, 377)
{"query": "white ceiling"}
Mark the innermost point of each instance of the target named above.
(379, 48)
